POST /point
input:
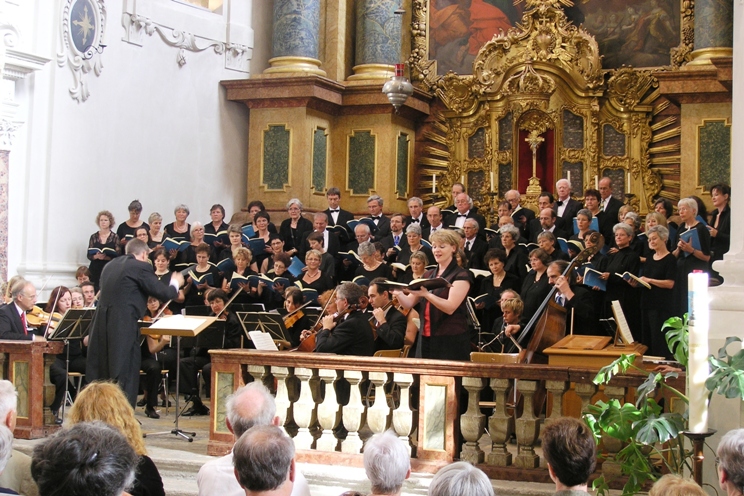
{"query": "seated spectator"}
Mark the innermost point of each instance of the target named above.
(676, 485)
(17, 473)
(730, 455)
(106, 402)
(460, 479)
(387, 463)
(264, 461)
(6, 450)
(89, 458)
(571, 453)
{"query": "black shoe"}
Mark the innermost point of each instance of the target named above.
(151, 413)
(196, 411)
(57, 420)
(142, 402)
(163, 403)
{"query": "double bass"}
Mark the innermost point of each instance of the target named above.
(549, 321)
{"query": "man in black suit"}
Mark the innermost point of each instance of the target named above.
(551, 223)
(330, 239)
(609, 207)
(577, 300)
(416, 209)
(351, 335)
(521, 215)
(457, 188)
(397, 237)
(13, 315)
(337, 216)
(114, 349)
(475, 247)
(464, 205)
(566, 207)
(374, 207)
(389, 322)
(434, 219)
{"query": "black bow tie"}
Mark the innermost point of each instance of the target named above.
(377, 218)
(333, 211)
(414, 220)
(462, 215)
(560, 203)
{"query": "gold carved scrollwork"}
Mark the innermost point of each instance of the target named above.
(651, 184)
(614, 163)
(456, 92)
(529, 84)
(682, 53)
(536, 121)
(571, 155)
(627, 86)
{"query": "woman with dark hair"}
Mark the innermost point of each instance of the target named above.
(217, 214)
(126, 230)
(720, 223)
(592, 199)
(102, 246)
(494, 285)
(535, 286)
(665, 208)
(261, 225)
(253, 208)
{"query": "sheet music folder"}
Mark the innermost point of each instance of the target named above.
(179, 325)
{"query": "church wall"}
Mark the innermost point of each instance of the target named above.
(150, 130)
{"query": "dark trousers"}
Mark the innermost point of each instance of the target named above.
(151, 381)
(189, 368)
(57, 376)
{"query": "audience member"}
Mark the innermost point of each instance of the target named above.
(460, 479)
(387, 463)
(571, 452)
(730, 454)
(6, 451)
(264, 461)
(17, 473)
(676, 485)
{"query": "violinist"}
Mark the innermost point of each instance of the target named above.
(347, 332)
(576, 299)
(444, 327)
(388, 322)
(89, 294)
(157, 355)
(78, 300)
(103, 238)
(202, 360)
(292, 303)
(60, 301)
(13, 323)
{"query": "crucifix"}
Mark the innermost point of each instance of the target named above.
(534, 140)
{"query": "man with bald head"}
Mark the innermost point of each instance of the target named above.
(251, 405)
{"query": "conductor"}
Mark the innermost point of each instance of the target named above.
(114, 348)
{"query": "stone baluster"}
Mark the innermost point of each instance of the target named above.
(611, 467)
(261, 373)
(403, 416)
(378, 415)
(329, 412)
(585, 391)
(556, 390)
(472, 422)
(500, 424)
(304, 409)
(353, 413)
(283, 405)
(528, 427)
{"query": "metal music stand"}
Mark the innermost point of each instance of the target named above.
(178, 326)
(74, 326)
(273, 323)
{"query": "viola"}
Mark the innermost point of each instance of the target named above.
(36, 317)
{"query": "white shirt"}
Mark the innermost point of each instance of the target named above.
(460, 220)
(562, 206)
(217, 478)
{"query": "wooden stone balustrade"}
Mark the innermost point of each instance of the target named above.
(329, 404)
(26, 364)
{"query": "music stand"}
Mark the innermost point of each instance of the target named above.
(273, 323)
(178, 326)
(73, 327)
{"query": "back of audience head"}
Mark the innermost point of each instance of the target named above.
(570, 450)
(676, 485)
(6, 446)
(460, 479)
(8, 404)
(730, 455)
(386, 462)
(263, 458)
(248, 406)
(89, 458)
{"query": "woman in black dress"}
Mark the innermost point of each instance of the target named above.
(126, 230)
(162, 271)
(516, 259)
(535, 287)
(261, 224)
(372, 267)
(250, 293)
(156, 233)
(625, 259)
(444, 330)
(720, 223)
(217, 214)
(104, 239)
(196, 283)
(413, 236)
(180, 229)
(583, 222)
(313, 277)
(689, 258)
(417, 268)
(494, 285)
(293, 228)
(657, 303)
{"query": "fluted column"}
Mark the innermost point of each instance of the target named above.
(714, 30)
(296, 38)
(378, 39)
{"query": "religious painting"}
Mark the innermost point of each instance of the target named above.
(640, 33)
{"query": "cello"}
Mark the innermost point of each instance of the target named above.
(549, 322)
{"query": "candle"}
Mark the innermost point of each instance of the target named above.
(596, 182)
(434, 184)
(568, 176)
(697, 366)
(492, 184)
(627, 190)
(462, 179)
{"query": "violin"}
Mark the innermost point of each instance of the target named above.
(308, 344)
(292, 317)
(36, 317)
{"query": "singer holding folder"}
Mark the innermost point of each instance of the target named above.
(114, 348)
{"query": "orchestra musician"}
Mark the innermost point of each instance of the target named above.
(201, 358)
(578, 301)
(292, 302)
(347, 332)
(157, 355)
(104, 238)
(444, 327)
(389, 322)
(511, 307)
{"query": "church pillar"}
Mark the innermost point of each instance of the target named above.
(378, 33)
(296, 39)
(727, 300)
(713, 30)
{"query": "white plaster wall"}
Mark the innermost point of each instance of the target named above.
(150, 130)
